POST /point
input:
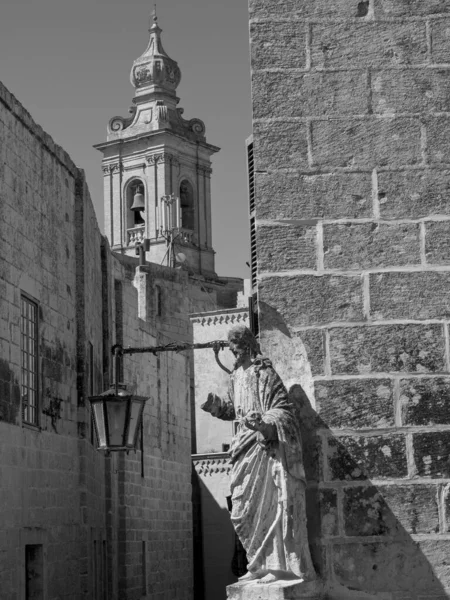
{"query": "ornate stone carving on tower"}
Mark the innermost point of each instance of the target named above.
(152, 153)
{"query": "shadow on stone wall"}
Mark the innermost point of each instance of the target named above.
(214, 543)
(355, 537)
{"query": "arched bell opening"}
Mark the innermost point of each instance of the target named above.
(187, 205)
(135, 211)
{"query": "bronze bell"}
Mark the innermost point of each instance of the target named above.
(138, 201)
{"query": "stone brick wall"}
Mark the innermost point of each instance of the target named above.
(109, 527)
(154, 490)
(351, 118)
(40, 466)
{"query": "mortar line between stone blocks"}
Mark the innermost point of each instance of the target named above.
(424, 143)
(366, 296)
(445, 325)
(412, 469)
(320, 251)
(382, 375)
(327, 361)
(429, 42)
(422, 238)
(375, 198)
(397, 403)
(340, 511)
(324, 456)
(441, 508)
(308, 42)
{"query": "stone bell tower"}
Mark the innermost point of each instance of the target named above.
(153, 154)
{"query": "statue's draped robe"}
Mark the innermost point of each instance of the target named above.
(267, 478)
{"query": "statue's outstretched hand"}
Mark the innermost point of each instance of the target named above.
(213, 405)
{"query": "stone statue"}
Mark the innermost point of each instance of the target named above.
(267, 477)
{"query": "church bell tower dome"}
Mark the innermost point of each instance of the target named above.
(154, 72)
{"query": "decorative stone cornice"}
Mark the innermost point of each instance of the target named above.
(161, 157)
(224, 318)
(164, 157)
(111, 168)
(204, 171)
(212, 465)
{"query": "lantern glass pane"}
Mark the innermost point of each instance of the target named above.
(117, 413)
(136, 407)
(99, 418)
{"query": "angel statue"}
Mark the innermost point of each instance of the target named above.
(267, 476)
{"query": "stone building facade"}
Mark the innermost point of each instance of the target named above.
(352, 220)
(75, 523)
(114, 527)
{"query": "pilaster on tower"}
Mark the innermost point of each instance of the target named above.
(152, 153)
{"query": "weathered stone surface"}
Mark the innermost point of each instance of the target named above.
(312, 455)
(436, 552)
(414, 194)
(410, 91)
(340, 9)
(279, 590)
(420, 295)
(369, 245)
(432, 453)
(410, 8)
(358, 457)
(310, 300)
(355, 403)
(438, 142)
(300, 196)
(391, 510)
(286, 247)
(437, 242)
(446, 500)
(314, 343)
(415, 507)
(367, 44)
(440, 34)
(309, 94)
(280, 144)
(387, 348)
(277, 44)
(425, 401)
(365, 512)
(366, 143)
(322, 512)
(391, 566)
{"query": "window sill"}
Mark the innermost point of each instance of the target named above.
(31, 426)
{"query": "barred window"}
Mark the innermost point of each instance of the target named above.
(29, 346)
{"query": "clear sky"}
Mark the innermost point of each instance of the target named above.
(68, 62)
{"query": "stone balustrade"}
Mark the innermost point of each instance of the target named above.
(136, 235)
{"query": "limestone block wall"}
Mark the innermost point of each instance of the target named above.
(94, 526)
(351, 119)
(40, 466)
(154, 487)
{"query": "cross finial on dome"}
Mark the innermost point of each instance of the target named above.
(153, 22)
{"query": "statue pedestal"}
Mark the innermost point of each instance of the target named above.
(279, 590)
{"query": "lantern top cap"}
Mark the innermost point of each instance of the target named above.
(121, 392)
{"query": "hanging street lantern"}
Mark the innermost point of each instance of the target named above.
(117, 414)
(117, 419)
